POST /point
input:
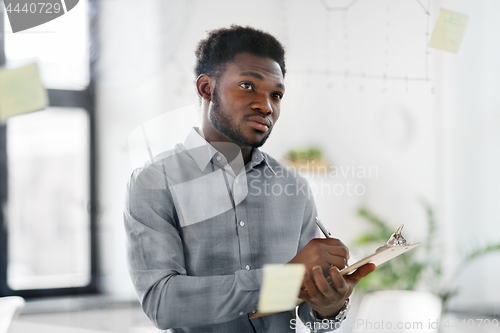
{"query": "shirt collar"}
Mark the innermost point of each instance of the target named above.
(257, 158)
(202, 151)
(199, 149)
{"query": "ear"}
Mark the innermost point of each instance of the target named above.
(205, 86)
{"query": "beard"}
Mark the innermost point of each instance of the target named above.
(222, 123)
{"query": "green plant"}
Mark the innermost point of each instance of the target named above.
(303, 155)
(417, 268)
(401, 273)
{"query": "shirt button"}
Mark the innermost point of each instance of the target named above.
(241, 313)
(242, 223)
(218, 158)
(247, 267)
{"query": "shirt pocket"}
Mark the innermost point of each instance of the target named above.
(201, 199)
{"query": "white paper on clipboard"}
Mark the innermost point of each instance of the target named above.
(380, 257)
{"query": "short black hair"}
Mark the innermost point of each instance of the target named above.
(222, 45)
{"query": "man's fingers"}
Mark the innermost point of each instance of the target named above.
(366, 269)
(333, 246)
(324, 252)
(361, 273)
(338, 281)
(337, 261)
(303, 294)
(341, 251)
(322, 285)
(312, 291)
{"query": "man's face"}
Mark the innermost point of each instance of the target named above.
(246, 100)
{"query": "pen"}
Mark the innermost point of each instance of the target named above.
(322, 227)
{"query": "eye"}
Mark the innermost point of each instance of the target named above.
(246, 85)
(277, 95)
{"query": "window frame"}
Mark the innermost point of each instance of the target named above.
(84, 99)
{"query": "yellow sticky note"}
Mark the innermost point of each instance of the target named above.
(449, 31)
(280, 287)
(21, 91)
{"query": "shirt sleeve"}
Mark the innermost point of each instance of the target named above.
(169, 297)
(309, 231)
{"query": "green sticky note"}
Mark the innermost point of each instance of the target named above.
(449, 31)
(21, 91)
(280, 287)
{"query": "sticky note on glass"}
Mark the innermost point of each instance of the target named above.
(449, 31)
(21, 91)
(280, 287)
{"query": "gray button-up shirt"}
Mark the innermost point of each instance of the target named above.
(198, 235)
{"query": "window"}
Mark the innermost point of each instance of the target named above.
(60, 48)
(47, 163)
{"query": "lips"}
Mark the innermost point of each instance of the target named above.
(260, 123)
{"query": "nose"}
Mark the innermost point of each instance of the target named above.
(262, 104)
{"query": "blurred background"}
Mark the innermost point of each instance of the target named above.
(407, 133)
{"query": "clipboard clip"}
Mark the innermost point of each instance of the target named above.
(396, 239)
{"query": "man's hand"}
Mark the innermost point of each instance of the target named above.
(323, 252)
(328, 299)
(327, 256)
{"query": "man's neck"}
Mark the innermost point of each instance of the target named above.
(246, 152)
(229, 149)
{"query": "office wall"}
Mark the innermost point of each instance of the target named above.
(471, 156)
(361, 85)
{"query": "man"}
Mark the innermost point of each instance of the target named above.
(201, 220)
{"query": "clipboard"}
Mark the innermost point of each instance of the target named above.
(395, 246)
(377, 258)
(380, 256)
